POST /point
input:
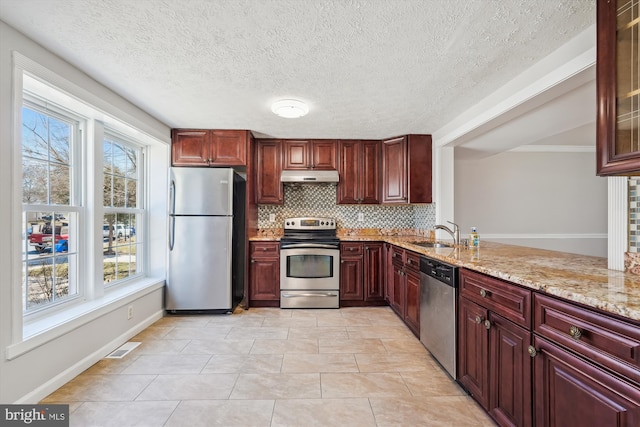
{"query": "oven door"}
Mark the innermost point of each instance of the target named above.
(306, 267)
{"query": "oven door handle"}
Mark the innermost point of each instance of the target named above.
(308, 245)
(285, 295)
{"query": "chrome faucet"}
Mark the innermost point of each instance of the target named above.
(455, 234)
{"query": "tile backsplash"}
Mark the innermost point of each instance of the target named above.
(320, 200)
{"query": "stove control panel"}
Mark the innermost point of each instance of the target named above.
(310, 223)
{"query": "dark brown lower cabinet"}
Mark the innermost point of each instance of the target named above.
(373, 273)
(404, 290)
(494, 364)
(264, 274)
(351, 279)
(412, 300)
(510, 365)
(361, 274)
(572, 392)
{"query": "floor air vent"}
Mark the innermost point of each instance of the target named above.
(123, 350)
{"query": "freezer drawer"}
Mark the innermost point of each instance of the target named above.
(309, 299)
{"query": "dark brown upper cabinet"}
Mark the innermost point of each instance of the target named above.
(618, 89)
(359, 169)
(205, 147)
(268, 168)
(406, 169)
(310, 154)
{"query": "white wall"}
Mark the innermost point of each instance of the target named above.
(33, 371)
(544, 200)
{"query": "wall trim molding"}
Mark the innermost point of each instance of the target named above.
(545, 236)
(72, 371)
(554, 149)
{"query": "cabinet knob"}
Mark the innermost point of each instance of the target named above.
(487, 324)
(575, 332)
(532, 351)
(253, 261)
(479, 319)
(264, 249)
(352, 249)
(341, 261)
(483, 293)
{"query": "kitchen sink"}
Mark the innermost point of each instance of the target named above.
(432, 244)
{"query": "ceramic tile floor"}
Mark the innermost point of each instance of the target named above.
(272, 367)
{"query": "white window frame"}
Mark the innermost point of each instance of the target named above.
(76, 206)
(140, 209)
(102, 110)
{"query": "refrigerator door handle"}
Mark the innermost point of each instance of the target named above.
(172, 196)
(172, 229)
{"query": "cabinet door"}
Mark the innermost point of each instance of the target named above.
(297, 154)
(229, 148)
(394, 170)
(473, 360)
(265, 279)
(397, 291)
(268, 185)
(369, 167)
(349, 187)
(189, 147)
(419, 169)
(510, 373)
(388, 273)
(324, 155)
(618, 88)
(351, 287)
(571, 392)
(373, 272)
(412, 300)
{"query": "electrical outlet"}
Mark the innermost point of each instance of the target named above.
(129, 312)
(360, 216)
(272, 217)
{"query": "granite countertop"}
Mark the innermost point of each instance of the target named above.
(579, 278)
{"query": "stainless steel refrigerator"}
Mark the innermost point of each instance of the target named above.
(206, 240)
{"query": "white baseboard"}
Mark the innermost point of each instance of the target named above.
(71, 372)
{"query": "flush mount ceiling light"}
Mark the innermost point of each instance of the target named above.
(289, 108)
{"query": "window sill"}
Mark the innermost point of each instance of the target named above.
(43, 330)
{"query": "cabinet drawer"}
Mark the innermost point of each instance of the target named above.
(265, 249)
(397, 253)
(348, 249)
(412, 260)
(503, 298)
(612, 343)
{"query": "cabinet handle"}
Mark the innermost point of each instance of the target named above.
(409, 261)
(532, 351)
(478, 320)
(341, 261)
(253, 261)
(487, 324)
(394, 255)
(575, 332)
(483, 293)
(352, 249)
(264, 249)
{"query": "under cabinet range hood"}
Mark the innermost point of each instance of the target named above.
(310, 176)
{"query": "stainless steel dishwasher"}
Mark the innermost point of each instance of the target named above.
(438, 315)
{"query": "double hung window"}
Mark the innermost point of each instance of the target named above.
(83, 202)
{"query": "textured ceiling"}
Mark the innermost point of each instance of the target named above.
(367, 69)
